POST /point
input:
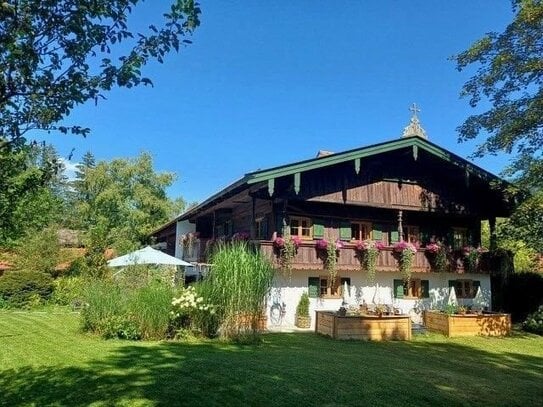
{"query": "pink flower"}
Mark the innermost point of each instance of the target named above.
(363, 245)
(296, 240)
(432, 247)
(239, 236)
(279, 242)
(321, 244)
(339, 244)
(403, 245)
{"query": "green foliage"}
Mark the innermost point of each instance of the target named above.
(369, 261)
(510, 77)
(56, 55)
(124, 200)
(28, 201)
(39, 251)
(149, 309)
(25, 288)
(330, 262)
(68, 290)
(534, 322)
(114, 310)
(514, 237)
(237, 287)
(302, 309)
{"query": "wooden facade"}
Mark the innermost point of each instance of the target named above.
(407, 189)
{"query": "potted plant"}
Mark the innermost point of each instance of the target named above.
(437, 256)
(303, 320)
(406, 254)
(368, 252)
(287, 248)
(329, 253)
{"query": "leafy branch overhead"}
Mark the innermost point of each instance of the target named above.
(510, 77)
(57, 54)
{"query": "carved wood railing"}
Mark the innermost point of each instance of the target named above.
(309, 258)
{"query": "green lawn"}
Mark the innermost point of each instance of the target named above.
(44, 360)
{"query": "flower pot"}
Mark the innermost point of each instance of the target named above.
(303, 321)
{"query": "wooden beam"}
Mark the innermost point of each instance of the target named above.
(357, 165)
(297, 182)
(271, 186)
(253, 217)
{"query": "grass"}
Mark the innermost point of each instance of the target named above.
(44, 360)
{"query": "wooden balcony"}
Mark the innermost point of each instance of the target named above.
(309, 258)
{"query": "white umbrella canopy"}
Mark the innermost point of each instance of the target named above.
(478, 300)
(346, 294)
(147, 255)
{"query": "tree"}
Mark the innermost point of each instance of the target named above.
(57, 54)
(125, 201)
(510, 78)
(28, 201)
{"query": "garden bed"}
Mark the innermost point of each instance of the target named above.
(486, 323)
(363, 327)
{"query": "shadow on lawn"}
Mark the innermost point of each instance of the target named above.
(287, 369)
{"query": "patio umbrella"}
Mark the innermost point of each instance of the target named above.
(147, 255)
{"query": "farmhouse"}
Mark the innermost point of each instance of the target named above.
(404, 190)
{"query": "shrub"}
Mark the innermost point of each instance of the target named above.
(105, 303)
(25, 288)
(302, 310)
(534, 322)
(68, 290)
(39, 251)
(191, 314)
(149, 308)
(114, 311)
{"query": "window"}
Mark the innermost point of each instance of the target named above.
(261, 228)
(301, 227)
(412, 234)
(320, 287)
(460, 238)
(360, 230)
(417, 288)
(465, 288)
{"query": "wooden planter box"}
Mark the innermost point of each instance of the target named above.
(303, 321)
(364, 327)
(487, 324)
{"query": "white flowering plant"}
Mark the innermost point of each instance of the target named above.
(189, 309)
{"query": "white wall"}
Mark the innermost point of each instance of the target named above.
(181, 228)
(289, 290)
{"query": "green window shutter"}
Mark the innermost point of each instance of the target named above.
(345, 231)
(313, 285)
(377, 232)
(425, 288)
(318, 229)
(398, 288)
(394, 236)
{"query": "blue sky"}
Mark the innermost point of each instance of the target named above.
(267, 83)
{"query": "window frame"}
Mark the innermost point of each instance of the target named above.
(463, 233)
(407, 234)
(367, 225)
(415, 290)
(468, 288)
(261, 228)
(325, 291)
(300, 228)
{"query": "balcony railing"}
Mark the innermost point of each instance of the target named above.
(309, 258)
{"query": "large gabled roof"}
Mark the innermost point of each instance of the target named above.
(268, 175)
